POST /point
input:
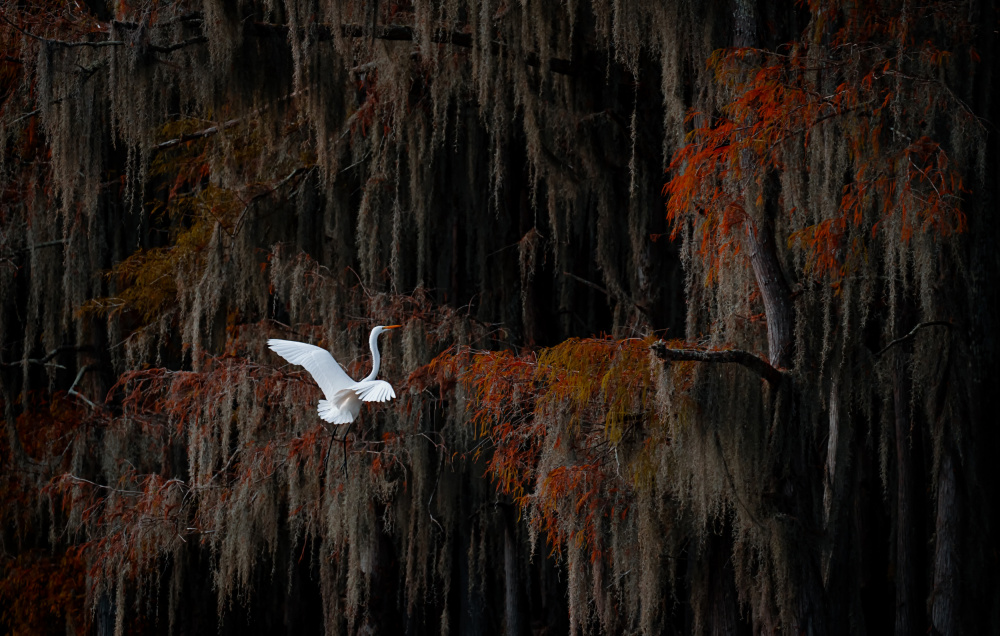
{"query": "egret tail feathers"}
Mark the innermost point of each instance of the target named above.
(329, 412)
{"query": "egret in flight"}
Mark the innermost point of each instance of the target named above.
(343, 395)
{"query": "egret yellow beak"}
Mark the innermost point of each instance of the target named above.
(392, 326)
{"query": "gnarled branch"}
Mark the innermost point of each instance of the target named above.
(755, 363)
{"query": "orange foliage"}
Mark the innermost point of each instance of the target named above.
(579, 399)
(779, 100)
(41, 593)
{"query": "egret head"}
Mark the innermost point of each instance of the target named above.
(379, 329)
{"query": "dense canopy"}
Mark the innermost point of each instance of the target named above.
(698, 306)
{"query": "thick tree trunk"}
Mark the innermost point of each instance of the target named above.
(774, 289)
(775, 293)
(944, 609)
(810, 602)
(512, 580)
(908, 602)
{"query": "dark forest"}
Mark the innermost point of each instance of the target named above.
(698, 306)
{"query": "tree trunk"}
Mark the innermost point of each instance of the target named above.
(512, 580)
(907, 550)
(944, 610)
(775, 293)
(774, 289)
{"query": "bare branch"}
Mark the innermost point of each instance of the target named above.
(48, 356)
(271, 190)
(212, 130)
(913, 333)
(24, 116)
(38, 246)
(72, 388)
(404, 33)
(120, 491)
(643, 308)
(729, 356)
(201, 39)
(62, 43)
(587, 283)
(207, 132)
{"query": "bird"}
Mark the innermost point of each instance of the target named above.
(343, 395)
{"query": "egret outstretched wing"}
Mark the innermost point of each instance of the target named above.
(330, 377)
(374, 390)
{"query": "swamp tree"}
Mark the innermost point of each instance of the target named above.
(781, 215)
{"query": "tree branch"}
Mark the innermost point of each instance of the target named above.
(164, 48)
(48, 356)
(207, 132)
(643, 308)
(270, 190)
(913, 333)
(323, 32)
(62, 43)
(72, 388)
(737, 356)
(201, 39)
(404, 33)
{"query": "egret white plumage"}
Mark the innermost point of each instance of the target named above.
(343, 395)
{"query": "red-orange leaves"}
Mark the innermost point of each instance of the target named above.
(873, 87)
(554, 421)
(43, 593)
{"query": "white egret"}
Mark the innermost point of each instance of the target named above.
(343, 395)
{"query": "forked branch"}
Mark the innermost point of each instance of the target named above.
(755, 363)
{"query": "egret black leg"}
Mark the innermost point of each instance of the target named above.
(343, 441)
(329, 449)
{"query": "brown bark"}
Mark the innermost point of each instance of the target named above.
(907, 572)
(775, 293)
(733, 356)
(763, 251)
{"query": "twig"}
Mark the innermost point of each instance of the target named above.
(913, 333)
(73, 477)
(208, 132)
(24, 116)
(587, 283)
(37, 246)
(644, 309)
(260, 195)
(430, 500)
(737, 356)
(201, 39)
(72, 388)
(732, 483)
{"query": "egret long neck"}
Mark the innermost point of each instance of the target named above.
(376, 358)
